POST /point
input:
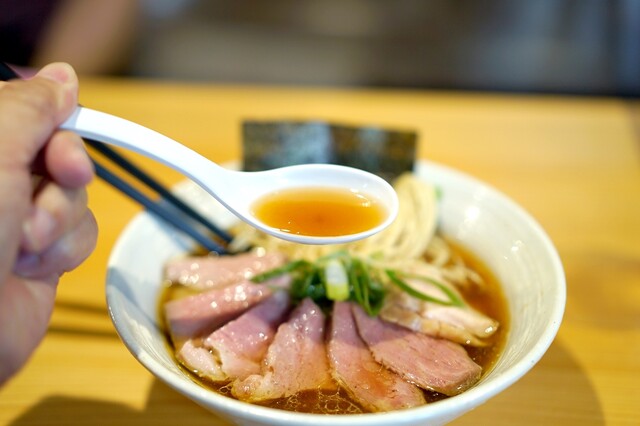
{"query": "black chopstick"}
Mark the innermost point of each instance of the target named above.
(157, 207)
(168, 215)
(164, 193)
(6, 73)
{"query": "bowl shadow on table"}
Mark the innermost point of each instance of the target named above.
(164, 406)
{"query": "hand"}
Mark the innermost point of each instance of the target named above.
(46, 228)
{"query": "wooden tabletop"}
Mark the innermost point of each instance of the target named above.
(573, 163)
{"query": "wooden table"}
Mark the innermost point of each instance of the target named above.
(574, 163)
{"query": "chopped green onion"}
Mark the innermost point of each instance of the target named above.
(367, 292)
(339, 276)
(453, 297)
(407, 288)
(336, 281)
(438, 191)
(285, 269)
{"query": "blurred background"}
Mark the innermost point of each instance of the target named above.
(548, 46)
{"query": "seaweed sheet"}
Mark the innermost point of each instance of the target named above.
(272, 144)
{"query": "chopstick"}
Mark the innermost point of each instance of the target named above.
(6, 73)
(170, 215)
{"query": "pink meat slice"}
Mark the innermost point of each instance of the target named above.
(295, 361)
(204, 272)
(236, 349)
(434, 364)
(368, 382)
(201, 314)
(242, 344)
(194, 356)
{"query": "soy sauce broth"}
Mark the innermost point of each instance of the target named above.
(320, 212)
(490, 301)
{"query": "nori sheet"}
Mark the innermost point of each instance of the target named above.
(271, 144)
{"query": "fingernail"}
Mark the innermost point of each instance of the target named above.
(59, 71)
(37, 230)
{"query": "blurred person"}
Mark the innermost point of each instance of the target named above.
(46, 228)
(94, 36)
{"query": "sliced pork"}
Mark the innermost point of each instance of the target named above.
(295, 361)
(434, 364)
(461, 324)
(236, 349)
(368, 382)
(193, 355)
(201, 314)
(214, 272)
(242, 344)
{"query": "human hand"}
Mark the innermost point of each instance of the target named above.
(46, 228)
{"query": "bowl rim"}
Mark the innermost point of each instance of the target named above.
(469, 399)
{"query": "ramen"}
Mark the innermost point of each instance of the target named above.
(392, 322)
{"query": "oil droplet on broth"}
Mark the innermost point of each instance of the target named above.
(319, 212)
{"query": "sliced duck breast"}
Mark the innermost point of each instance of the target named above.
(434, 364)
(296, 360)
(201, 314)
(352, 365)
(236, 349)
(203, 272)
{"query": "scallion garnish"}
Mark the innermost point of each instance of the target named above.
(336, 280)
(339, 276)
(266, 276)
(396, 278)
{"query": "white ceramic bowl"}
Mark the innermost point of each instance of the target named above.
(486, 222)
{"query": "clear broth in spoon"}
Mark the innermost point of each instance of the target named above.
(320, 212)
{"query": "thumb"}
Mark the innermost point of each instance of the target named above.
(30, 112)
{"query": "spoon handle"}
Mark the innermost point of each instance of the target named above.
(126, 134)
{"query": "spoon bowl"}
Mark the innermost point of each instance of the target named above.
(239, 191)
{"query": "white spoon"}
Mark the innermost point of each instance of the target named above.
(238, 191)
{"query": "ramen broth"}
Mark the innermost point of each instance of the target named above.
(320, 212)
(490, 301)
